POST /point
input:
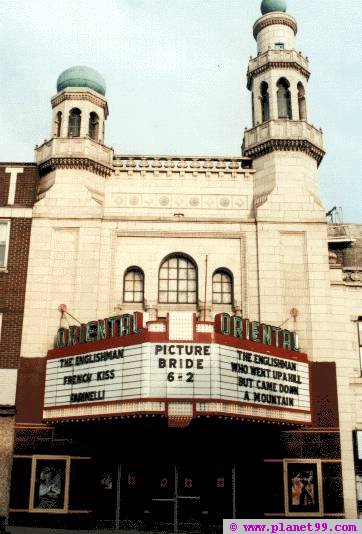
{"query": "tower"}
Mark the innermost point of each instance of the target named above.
(285, 146)
(79, 107)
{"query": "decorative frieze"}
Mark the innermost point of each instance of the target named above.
(77, 94)
(179, 201)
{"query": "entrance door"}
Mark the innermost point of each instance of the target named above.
(175, 498)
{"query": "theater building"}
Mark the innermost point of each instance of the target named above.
(190, 344)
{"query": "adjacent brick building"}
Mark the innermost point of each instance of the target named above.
(17, 196)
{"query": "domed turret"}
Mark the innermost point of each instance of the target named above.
(82, 77)
(80, 107)
(269, 6)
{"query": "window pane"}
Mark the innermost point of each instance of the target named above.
(217, 299)
(138, 275)
(172, 297)
(226, 298)
(217, 277)
(3, 232)
(182, 297)
(182, 274)
(2, 255)
(192, 274)
(163, 284)
(163, 296)
(172, 262)
(182, 285)
(217, 287)
(172, 285)
(138, 297)
(163, 273)
(191, 285)
(183, 263)
(172, 274)
(138, 285)
(191, 298)
(128, 296)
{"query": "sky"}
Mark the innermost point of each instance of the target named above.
(176, 77)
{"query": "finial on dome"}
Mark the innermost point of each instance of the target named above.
(268, 6)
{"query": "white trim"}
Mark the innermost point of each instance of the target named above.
(7, 240)
(25, 213)
(13, 171)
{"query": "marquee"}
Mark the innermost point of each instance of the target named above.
(145, 372)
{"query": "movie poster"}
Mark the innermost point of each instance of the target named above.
(303, 488)
(49, 484)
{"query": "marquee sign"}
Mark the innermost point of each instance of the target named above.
(103, 376)
(177, 371)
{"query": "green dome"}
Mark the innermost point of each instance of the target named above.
(268, 6)
(81, 77)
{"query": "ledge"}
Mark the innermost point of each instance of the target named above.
(277, 59)
(283, 134)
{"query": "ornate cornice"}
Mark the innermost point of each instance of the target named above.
(276, 65)
(264, 22)
(299, 145)
(90, 97)
(74, 163)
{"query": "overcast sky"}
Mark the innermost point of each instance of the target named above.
(175, 73)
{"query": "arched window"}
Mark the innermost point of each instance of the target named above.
(58, 122)
(284, 99)
(222, 287)
(133, 285)
(93, 126)
(74, 123)
(264, 98)
(178, 280)
(301, 102)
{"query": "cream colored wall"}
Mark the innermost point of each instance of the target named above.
(275, 33)
(88, 229)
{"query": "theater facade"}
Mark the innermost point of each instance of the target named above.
(190, 345)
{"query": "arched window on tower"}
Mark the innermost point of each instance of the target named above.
(284, 99)
(264, 99)
(302, 102)
(93, 126)
(133, 285)
(74, 123)
(222, 287)
(58, 123)
(177, 280)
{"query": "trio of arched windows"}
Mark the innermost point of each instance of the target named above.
(284, 100)
(74, 122)
(177, 282)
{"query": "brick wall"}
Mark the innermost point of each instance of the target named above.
(25, 185)
(13, 280)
